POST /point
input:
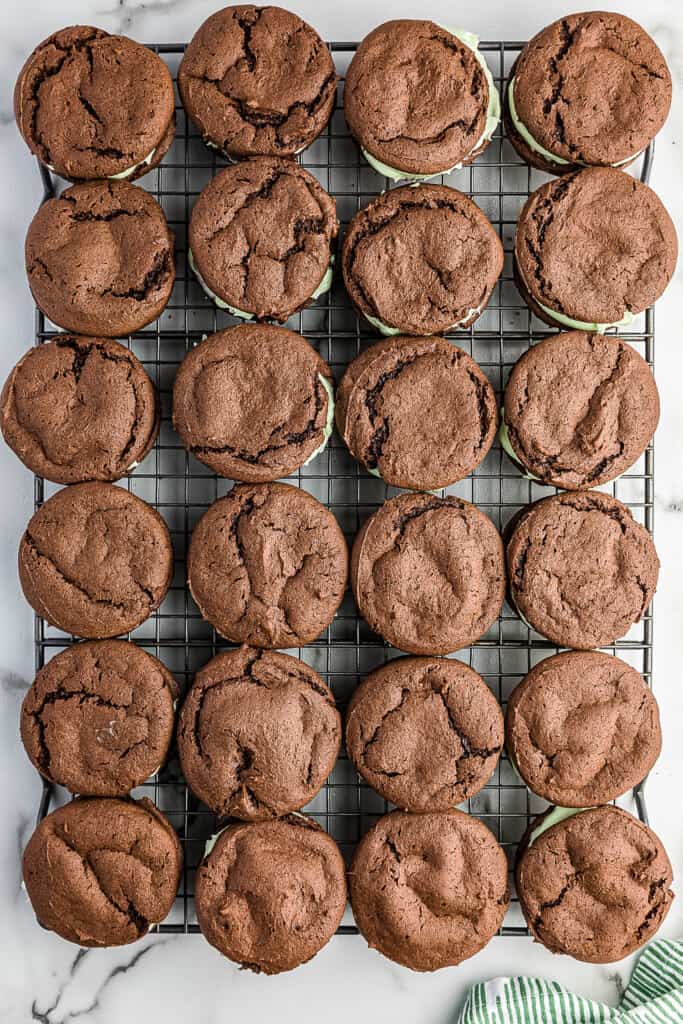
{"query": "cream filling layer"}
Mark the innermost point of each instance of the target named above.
(329, 421)
(323, 287)
(578, 325)
(504, 439)
(492, 119)
(122, 174)
(522, 130)
(554, 817)
(385, 329)
(130, 170)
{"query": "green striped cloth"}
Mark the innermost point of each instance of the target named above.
(654, 996)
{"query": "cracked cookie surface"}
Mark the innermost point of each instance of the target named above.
(100, 872)
(267, 566)
(92, 105)
(582, 728)
(99, 718)
(591, 88)
(95, 560)
(594, 245)
(262, 234)
(258, 734)
(258, 81)
(271, 894)
(416, 97)
(428, 573)
(595, 886)
(421, 260)
(425, 733)
(580, 409)
(100, 259)
(429, 890)
(249, 402)
(78, 409)
(418, 411)
(582, 571)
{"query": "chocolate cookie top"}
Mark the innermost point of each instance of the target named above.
(99, 259)
(582, 728)
(271, 894)
(257, 81)
(95, 560)
(421, 260)
(101, 872)
(99, 717)
(419, 412)
(425, 733)
(267, 566)
(416, 97)
(77, 409)
(591, 88)
(429, 890)
(428, 573)
(254, 402)
(91, 105)
(595, 246)
(580, 409)
(261, 237)
(258, 734)
(578, 901)
(581, 570)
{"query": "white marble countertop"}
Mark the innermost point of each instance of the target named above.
(178, 978)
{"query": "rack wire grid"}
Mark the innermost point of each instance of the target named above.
(181, 488)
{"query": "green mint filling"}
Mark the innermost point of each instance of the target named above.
(555, 816)
(579, 325)
(522, 130)
(129, 170)
(329, 421)
(504, 439)
(384, 329)
(323, 287)
(492, 119)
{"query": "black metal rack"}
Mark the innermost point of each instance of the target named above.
(181, 488)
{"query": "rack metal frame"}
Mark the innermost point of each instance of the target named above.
(181, 488)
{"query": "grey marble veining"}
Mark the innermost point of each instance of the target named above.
(180, 978)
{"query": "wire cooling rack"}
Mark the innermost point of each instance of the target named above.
(182, 488)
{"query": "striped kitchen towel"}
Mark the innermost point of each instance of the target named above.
(654, 996)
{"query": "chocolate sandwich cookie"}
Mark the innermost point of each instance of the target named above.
(428, 573)
(591, 88)
(258, 734)
(262, 237)
(425, 733)
(254, 402)
(580, 409)
(267, 566)
(582, 728)
(99, 259)
(578, 901)
(421, 260)
(98, 718)
(419, 412)
(257, 81)
(429, 890)
(582, 571)
(77, 409)
(419, 99)
(593, 249)
(102, 872)
(271, 894)
(95, 560)
(90, 105)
